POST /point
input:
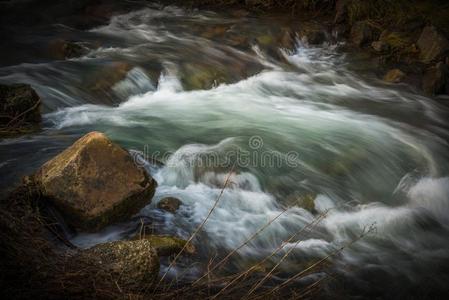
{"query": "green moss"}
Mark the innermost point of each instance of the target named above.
(396, 40)
(377, 9)
(306, 201)
(265, 40)
(168, 245)
(196, 77)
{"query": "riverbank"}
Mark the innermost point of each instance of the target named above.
(408, 40)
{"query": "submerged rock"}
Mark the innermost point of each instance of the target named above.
(435, 79)
(202, 76)
(313, 34)
(19, 109)
(168, 245)
(432, 44)
(62, 49)
(306, 201)
(380, 46)
(94, 183)
(106, 77)
(169, 204)
(287, 39)
(394, 76)
(363, 33)
(215, 31)
(314, 37)
(133, 265)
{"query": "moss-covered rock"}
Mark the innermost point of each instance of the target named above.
(313, 36)
(363, 32)
(62, 49)
(201, 76)
(170, 204)
(287, 39)
(312, 33)
(394, 76)
(19, 109)
(104, 78)
(380, 46)
(94, 183)
(133, 265)
(304, 200)
(168, 245)
(432, 44)
(400, 45)
(266, 40)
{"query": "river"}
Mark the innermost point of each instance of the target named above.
(311, 130)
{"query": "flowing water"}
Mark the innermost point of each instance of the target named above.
(308, 131)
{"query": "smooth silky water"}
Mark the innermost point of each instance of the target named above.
(374, 154)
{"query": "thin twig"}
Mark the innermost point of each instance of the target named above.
(197, 229)
(281, 246)
(220, 263)
(298, 275)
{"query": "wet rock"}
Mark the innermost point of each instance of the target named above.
(168, 245)
(62, 49)
(136, 82)
(380, 46)
(312, 34)
(215, 32)
(169, 204)
(306, 201)
(363, 33)
(238, 40)
(239, 13)
(317, 37)
(71, 49)
(340, 31)
(395, 40)
(435, 79)
(199, 76)
(341, 11)
(265, 40)
(394, 76)
(287, 40)
(133, 265)
(19, 109)
(94, 183)
(432, 44)
(104, 78)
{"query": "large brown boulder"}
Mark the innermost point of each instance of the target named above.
(19, 108)
(94, 183)
(432, 44)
